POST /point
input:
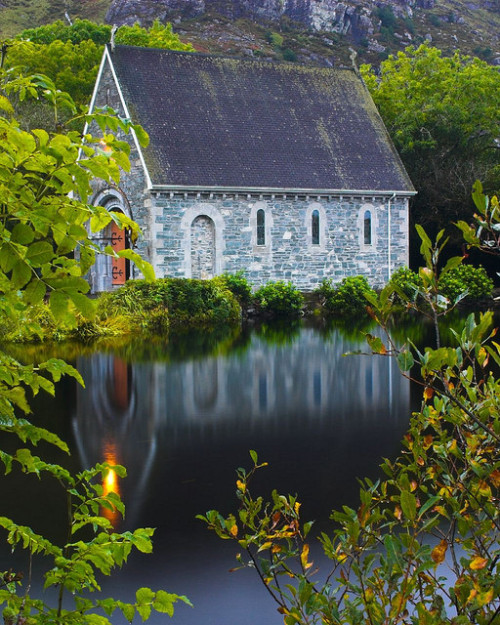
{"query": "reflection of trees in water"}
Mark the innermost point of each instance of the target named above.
(146, 411)
(308, 376)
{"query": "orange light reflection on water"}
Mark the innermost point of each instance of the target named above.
(110, 482)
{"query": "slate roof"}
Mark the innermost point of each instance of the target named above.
(247, 124)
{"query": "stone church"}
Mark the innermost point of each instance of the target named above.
(282, 171)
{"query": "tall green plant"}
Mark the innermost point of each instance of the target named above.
(45, 217)
(422, 546)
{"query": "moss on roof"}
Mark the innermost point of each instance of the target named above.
(222, 122)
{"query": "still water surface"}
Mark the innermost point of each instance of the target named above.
(181, 419)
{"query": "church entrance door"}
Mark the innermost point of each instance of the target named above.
(118, 265)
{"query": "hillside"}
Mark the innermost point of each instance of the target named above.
(308, 31)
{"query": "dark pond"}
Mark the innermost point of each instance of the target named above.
(182, 416)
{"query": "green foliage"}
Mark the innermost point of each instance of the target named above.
(79, 31)
(484, 233)
(176, 302)
(70, 55)
(71, 66)
(466, 280)
(44, 218)
(289, 55)
(444, 124)
(158, 36)
(407, 281)
(423, 545)
(239, 286)
(279, 299)
(386, 17)
(348, 298)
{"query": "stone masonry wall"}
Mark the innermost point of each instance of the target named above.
(288, 253)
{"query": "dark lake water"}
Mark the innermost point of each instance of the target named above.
(182, 416)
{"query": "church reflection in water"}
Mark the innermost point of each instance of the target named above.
(131, 413)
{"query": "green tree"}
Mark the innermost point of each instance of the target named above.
(80, 30)
(422, 546)
(70, 55)
(442, 114)
(45, 218)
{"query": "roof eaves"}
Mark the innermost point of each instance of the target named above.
(278, 190)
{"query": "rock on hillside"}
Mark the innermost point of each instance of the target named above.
(358, 19)
(308, 31)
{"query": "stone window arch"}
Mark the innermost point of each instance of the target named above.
(316, 226)
(203, 241)
(261, 221)
(203, 249)
(367, 226)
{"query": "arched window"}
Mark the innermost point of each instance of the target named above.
(315, 227)
(261, 227)
(367, 228)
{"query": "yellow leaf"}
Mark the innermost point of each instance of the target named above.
(303, 557)
(297, 507)
(478, 563)
(484, 489)
(472, 595)
(363, 514)
(495, 478)
(234, 530)
(439, 552)
(241, 485)
(485, 597)
(428, 438)
(265, 546)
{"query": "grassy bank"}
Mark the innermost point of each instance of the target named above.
(173, 305)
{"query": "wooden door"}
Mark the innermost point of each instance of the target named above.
(118, 265)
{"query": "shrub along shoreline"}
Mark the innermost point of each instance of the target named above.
(177, 304)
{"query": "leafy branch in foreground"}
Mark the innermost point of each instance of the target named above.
(422, 547)
(45, 219)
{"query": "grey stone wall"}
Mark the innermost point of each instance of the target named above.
(288, 253)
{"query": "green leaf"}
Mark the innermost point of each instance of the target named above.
(144, 595)
(405, 360)
(409, 504)
(22, 233)
(128, 611)
(34, 293)
(376, 344)
(40, 253)
(142, 135)
(164, 602)
(8, 257)
(452, 263)
(86, 306)
(59, 305)
(21, 274)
